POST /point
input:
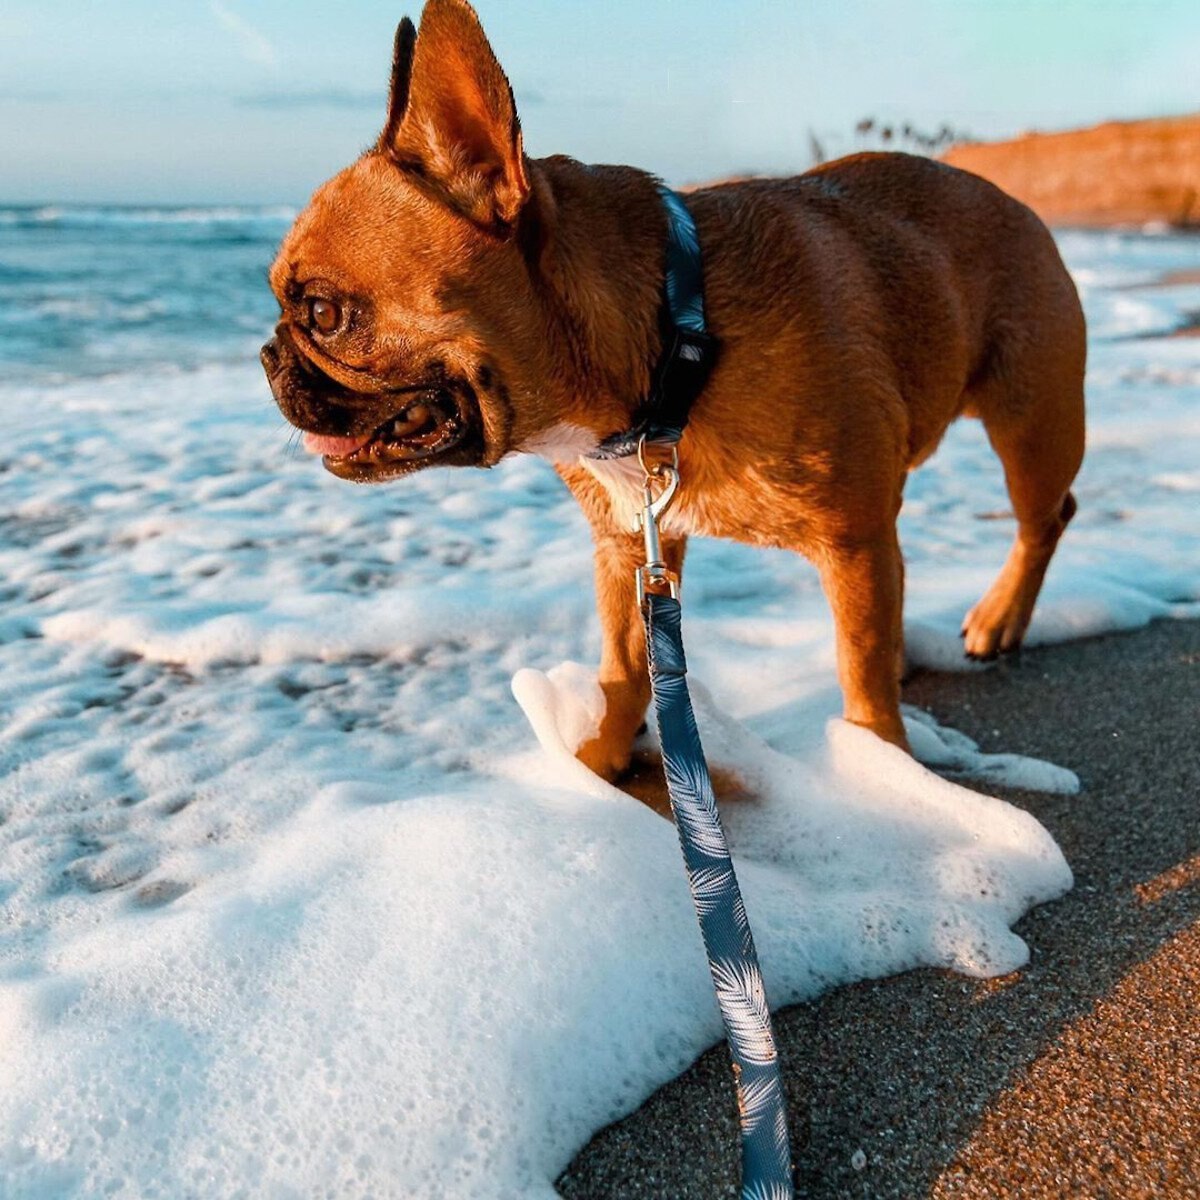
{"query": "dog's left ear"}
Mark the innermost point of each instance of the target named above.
(452, 118)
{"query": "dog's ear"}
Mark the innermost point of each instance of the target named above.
(402, 64)
(452, 118)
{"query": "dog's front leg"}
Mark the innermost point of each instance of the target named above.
(864, 581)
(623, 675)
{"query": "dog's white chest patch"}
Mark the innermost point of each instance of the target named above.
(562, 443)
(622, 478)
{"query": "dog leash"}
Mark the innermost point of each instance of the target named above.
(732, 959)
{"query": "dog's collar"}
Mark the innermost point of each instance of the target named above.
(689, 350)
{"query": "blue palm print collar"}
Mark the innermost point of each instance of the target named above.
(689, 350)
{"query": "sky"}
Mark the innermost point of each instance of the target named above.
(257, 101)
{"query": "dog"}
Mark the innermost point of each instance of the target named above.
(447, 300)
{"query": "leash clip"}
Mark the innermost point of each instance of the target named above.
(654, 576)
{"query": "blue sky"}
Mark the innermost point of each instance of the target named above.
(258, 100)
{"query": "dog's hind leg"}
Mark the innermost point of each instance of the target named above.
(1039, 440)
(864, 582)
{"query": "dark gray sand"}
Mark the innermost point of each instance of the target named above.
(1078, 1076)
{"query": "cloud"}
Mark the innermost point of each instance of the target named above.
(254, 45)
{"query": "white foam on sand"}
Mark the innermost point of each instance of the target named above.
(294, 903)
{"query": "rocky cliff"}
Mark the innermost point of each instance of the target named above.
(1118, 173)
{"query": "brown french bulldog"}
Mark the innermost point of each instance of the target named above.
(448, 301)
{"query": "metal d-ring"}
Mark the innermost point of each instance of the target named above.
(657, 468)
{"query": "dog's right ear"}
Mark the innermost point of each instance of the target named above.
(452, 119)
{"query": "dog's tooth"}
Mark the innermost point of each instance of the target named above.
(411, 419)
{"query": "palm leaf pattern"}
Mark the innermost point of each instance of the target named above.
(766, 1190)
(685, 293)
(743, 1001)
(742, 923)
(779, 1130)
(710, 888)
(759, 1101)
(737, 980)
(701, 828)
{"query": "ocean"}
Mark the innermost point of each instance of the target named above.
(88, 291)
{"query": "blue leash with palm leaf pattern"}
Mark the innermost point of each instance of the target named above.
(766, 1157)
(728, 942)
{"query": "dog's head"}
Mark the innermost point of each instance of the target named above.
(408, 310)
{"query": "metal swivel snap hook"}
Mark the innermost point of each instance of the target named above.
(654, 575)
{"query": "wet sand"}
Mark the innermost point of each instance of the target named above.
(1078, 1076)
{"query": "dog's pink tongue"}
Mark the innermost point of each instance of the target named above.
(318, 443)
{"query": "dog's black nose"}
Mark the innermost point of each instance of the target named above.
(269, 357)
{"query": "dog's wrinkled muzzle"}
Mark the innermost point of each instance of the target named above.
(369, 437)
(311, 400)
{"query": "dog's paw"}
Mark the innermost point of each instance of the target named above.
(996, 625)
(605, 757)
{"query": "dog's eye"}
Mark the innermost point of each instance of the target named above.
(326, 315)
